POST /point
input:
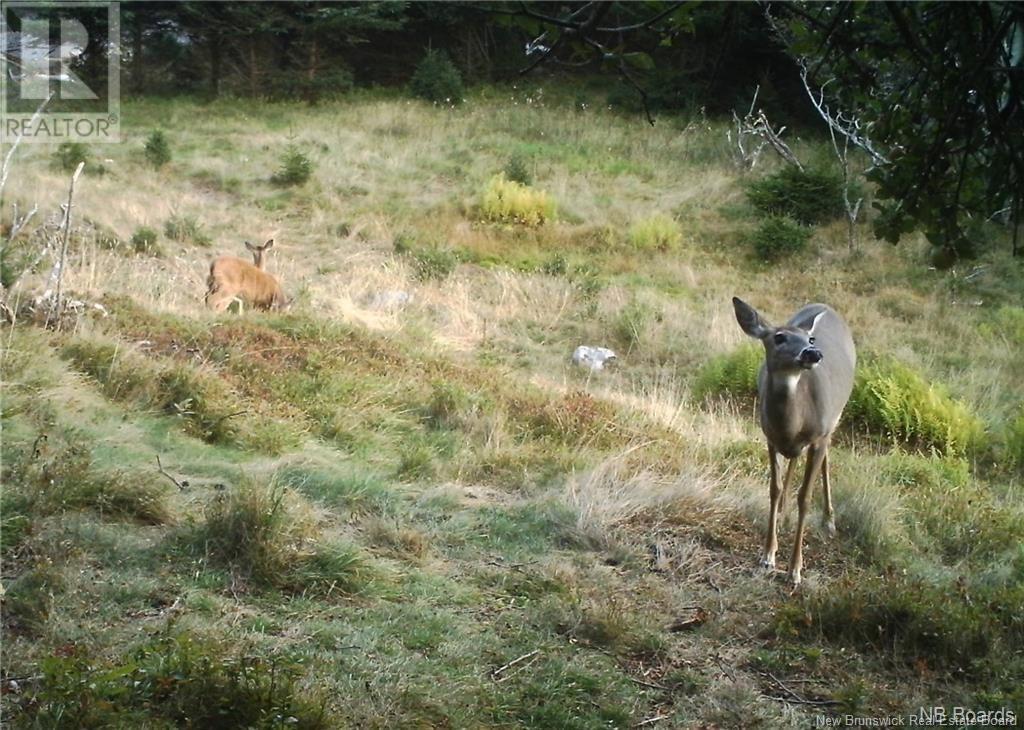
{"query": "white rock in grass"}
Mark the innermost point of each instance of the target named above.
(391, 299)
(593, 358)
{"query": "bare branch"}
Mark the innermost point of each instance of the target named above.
(847, 127)
(182, 485)
(64, 244)
(6, 170)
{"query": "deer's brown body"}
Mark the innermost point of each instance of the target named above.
(803, 386)
(232, 278)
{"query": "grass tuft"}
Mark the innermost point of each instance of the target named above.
(506, 201)
(659, 232)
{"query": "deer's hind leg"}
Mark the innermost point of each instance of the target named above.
(828, 515)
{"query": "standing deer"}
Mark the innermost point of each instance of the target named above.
(802, 389)
(233, 279)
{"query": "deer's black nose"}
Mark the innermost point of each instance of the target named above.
(810, 356)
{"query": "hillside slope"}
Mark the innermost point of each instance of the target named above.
(376, 510)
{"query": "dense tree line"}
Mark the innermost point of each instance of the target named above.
(937, 86)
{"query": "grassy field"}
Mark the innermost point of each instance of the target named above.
(418, 514)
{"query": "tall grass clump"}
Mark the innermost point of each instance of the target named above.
(778, 237)
(659, 232)
(437, 80)
(157, 149)
(199, 398)
(891, 398)
(144, 240)
(732, 376)
(807, 196)
(270, 535)
(506, 201)
(1014, 441)
(186, 229)
(63, 477)
(296, 168)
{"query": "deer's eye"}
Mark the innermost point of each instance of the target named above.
(779, 338)
(810, 340)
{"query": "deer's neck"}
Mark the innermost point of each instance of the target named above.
(785, 406)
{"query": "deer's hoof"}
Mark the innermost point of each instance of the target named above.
(768, 563)
(830, 527)
(794, 578)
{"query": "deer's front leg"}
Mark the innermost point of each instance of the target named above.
(815, 455)
(771, 544)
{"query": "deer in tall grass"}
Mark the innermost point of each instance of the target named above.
(802, 388)
(233, 279)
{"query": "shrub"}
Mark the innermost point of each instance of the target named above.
(157, 149)
(437, 80)
(506, 201)
(144, 240)
(809, 196)
(891, 398)
(778, 237)
(428, 262)
(657, 232)
(186, 229)
(69, 154)
(296, 168)
(732, 376)
(517, 171)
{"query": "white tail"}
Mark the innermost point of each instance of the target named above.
(802, 388)
(233, 279)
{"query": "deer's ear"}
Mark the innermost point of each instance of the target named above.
(815, 321)
(750, 321)
(268, 244)
(250, 246)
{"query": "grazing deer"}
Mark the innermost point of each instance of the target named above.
(802, 389)
(233, 279)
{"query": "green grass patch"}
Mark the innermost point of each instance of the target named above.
(730, 377)
(939, 627)
(173, 681)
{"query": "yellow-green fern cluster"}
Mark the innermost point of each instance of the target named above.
(890, 397)
(507, 201)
